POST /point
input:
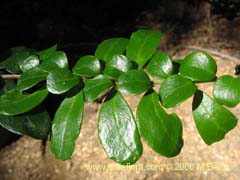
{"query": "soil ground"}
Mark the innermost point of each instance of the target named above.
(26, 158)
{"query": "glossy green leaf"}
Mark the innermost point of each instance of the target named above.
(117, 131)
(66, 126)
(44, 54)
(198, 66)
(110, 47)
(133, 82)
(161, 131)
(117, 65)
(29, 63)
(212, 120)
(96, 87)
(176, 89)
(30, 78)
(61, 81)
(227, 90)
(14, 102)
(56, 60)
(87, 66)
(142, 45)
(160, 66)
(36, 125)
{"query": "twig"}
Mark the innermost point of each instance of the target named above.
(10, 76)
(210, 51)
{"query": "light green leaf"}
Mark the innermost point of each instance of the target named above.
(117, 131)
(44, 54)
(212, 120)
(110, 47)
(227, 90)
(142, 45)
(176, 89)
(133, 82)
(161, 131)
(96, 87)
(29, 63)
(66, 126)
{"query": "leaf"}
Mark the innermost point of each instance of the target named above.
(29, 63)
(66, 126)
(212, 120)
(117, 65)
(110, 47)
(176, 89)
(14, 102)
(36, 125)
(30, 78)
(55, 60)
(61, 80)
(87, 66)
(133, 82)
(96, 87)
(44, 54)
(117, 131)
(161, 131)
(198, 66)
(142, 45)
(227, 90)
(160, 66)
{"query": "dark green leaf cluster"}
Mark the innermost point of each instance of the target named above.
(120, 67)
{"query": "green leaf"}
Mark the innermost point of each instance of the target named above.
(198, 66)
(55, 60)
(227, 90)
(44, 54)
(161, 131)
(96, 87)
(142, 45)
(133, 82)
(36, 125)
(160, 66)
(61, 80)
(117, 65)
(110, 47)
(117, 131)
(87, 66)
(14, 102)
(212, 120)
(30, 78)
(176, 89)
(9, 84)
(29, 63)
(66, 126)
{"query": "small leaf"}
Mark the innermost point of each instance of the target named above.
(161, 131)
(55, 60)
(142, 45)
(96, 87)
(13, 102)
(212, 120)
(160, 66)
(133, 82)
(227, 90)
(117, 131)
(110, 47)
(44, 54)
(176, 89)
(117, 65)
(29, 63)
(198, 66)
(30, 78)
(66, 126)
(36, 125)
(87, 66)
(61, 80)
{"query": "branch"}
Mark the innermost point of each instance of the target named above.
(10, 76)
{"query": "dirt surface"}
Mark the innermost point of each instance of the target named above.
(26, 160)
